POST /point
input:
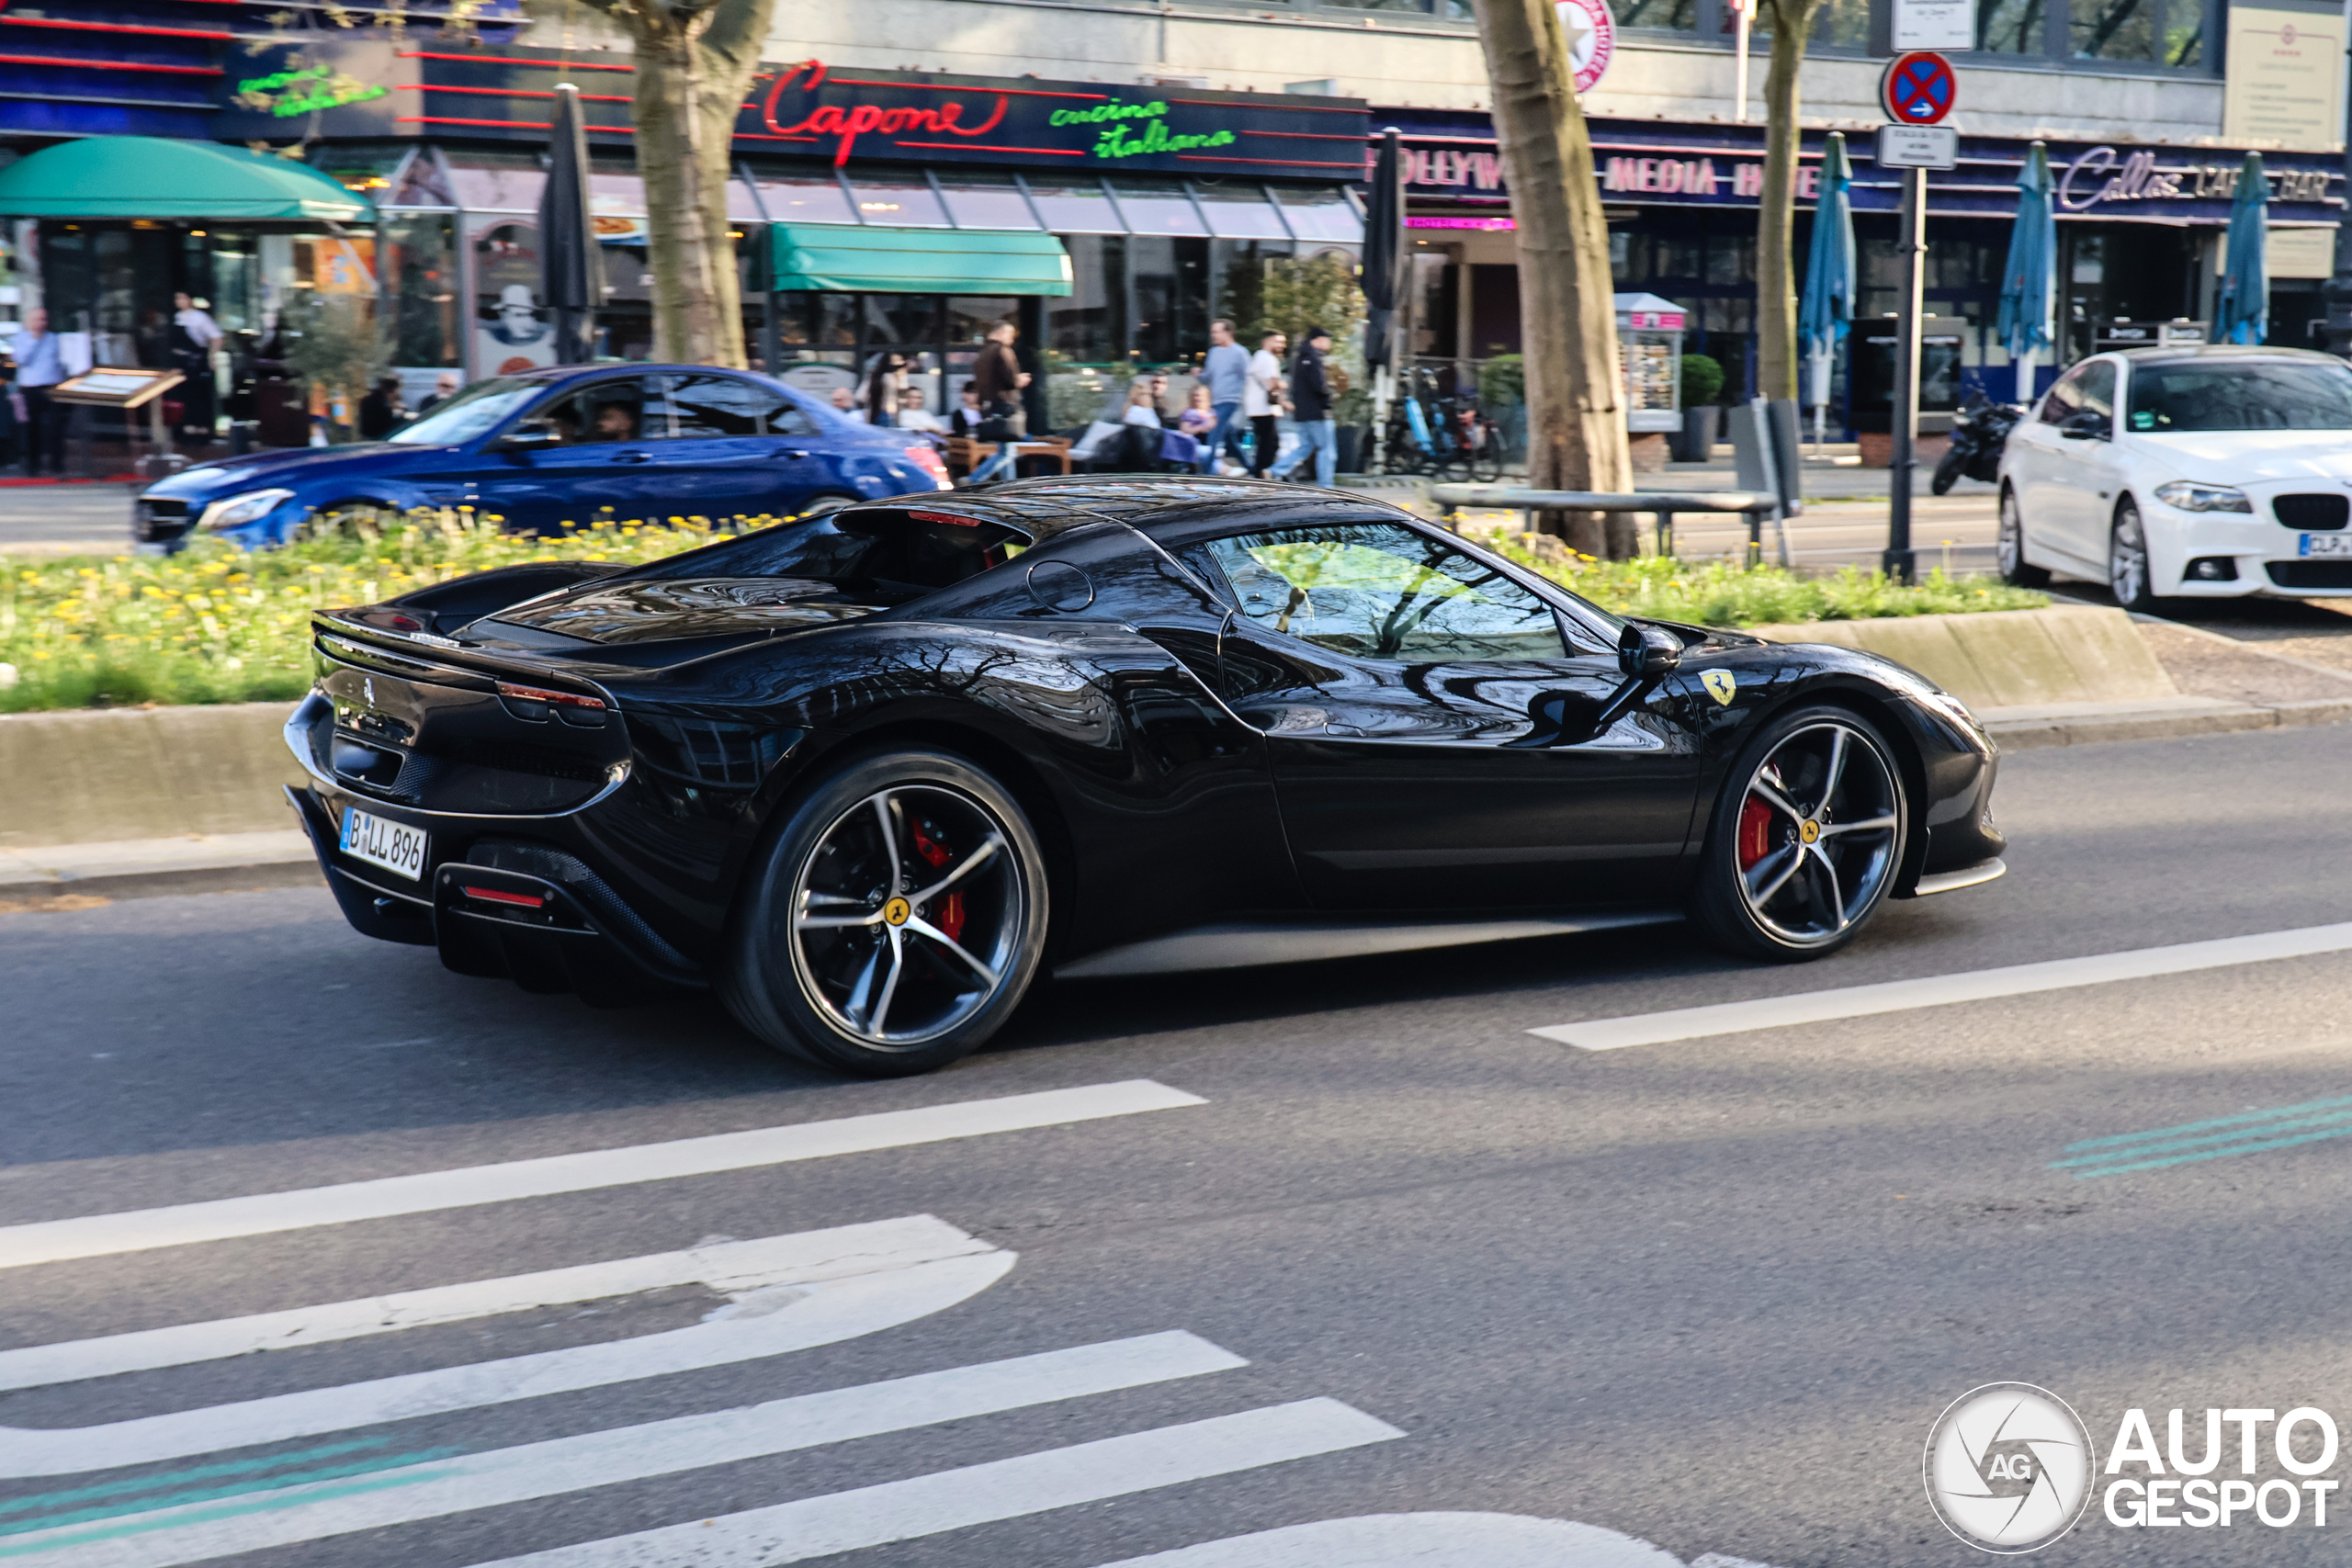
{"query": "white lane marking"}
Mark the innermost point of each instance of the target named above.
(317, 1511)
(96, 1236)
(1419, 1541)
(982, 1494)
(1942, 990)
(802, 1259)
(825, 1313)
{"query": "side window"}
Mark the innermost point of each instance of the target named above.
(2066, 399)
(715, 405)
(2099, 388)
(788, 418)
(1381, 591)
(618, 410)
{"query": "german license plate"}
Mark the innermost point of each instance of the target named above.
(392, 845)
(2326, 545)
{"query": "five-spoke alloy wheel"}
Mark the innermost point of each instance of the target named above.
(900, 917)
(1808, 837)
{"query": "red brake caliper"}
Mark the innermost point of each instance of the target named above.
(950, 918)
(1755, 832)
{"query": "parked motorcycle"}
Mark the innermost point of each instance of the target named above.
(1979, 431)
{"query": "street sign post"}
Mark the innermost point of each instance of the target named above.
(1918, 88)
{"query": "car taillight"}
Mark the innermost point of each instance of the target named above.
(499, 895)
(931, 463)
(543, 694)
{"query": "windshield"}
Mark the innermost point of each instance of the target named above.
(2237, 394)
(474, 412)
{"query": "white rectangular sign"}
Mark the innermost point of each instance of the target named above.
(1943, 26)
(1918, 147)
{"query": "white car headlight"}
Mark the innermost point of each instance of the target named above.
(238, 510)
(2188, 495)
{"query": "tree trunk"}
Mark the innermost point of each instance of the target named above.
(694, 65)
(1776, 288)
(1575, 417)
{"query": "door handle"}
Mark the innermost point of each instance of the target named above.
(632, 456)
(794, 452)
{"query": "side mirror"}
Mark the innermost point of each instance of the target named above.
(1648, 651)
(527, 438)
(2089, 425)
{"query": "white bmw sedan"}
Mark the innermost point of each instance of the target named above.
(2192, 472)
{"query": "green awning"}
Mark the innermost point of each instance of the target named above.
(873, 258)
(153, 177)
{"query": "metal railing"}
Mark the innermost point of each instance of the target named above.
(1663, 504)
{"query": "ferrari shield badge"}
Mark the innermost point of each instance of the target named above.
(1722, 685)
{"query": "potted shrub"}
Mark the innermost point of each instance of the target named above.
(1702, 383)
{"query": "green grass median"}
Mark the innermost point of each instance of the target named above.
(215, 623)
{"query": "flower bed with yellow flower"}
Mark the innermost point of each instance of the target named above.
(216, 623)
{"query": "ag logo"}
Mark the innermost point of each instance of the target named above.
(2008, 1467)
(1722, 685)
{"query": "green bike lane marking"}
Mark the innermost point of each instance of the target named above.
(2219, 1137)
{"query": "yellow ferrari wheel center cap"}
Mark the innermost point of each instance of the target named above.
(1809, 830)
(898, 911)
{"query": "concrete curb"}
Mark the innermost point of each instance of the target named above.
(105, 776)
(2125, 721)
(139, 868)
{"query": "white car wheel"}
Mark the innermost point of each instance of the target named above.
(2127, 562)
(2010, 546)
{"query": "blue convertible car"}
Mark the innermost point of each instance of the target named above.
(574, 445)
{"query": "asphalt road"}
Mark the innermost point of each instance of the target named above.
(1403, 1257)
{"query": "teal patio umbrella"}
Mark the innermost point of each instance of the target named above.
(2242, 309)
(2027, 279)
(1826, 312)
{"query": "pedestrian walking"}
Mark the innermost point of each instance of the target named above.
(1261, 401)
(40, 365)
(194, 335)
(1310, 390)
(998, 372)
(1225, 373)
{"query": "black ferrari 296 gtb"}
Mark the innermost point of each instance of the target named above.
(869, 772)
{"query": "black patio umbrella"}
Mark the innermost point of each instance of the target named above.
(570, 264)
(1383, 245)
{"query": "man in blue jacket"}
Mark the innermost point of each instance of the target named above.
(1310, 393)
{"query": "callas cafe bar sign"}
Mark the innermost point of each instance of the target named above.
(807, 109)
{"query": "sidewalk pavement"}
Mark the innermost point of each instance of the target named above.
(75, 875)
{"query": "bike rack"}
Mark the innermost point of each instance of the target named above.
(1665, 505)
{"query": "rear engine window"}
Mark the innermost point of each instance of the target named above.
(880, 557)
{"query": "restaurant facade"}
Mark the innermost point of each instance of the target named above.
(881, 216)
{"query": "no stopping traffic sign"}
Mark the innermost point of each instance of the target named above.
(1917, 89)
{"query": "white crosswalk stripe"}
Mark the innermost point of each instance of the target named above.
(788, 1293)
(983, 1494)
(52, 1241)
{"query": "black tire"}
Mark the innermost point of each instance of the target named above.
(2009, 547)
(1815, 777)
(1948, 469)
(835, 989)
(2127, 562)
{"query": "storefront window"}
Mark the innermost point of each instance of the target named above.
(1675, 15)
(903, 203)
(1078, 208)
(810, 201)
(1171, 280)
(1240, 209)
(2113, 29)
(1087, 325)
(1321, 213)
(972, 318)
(987, 203)
(422, 255)
(1845, 24)
(2012, 27)
(1156, 209)
(813, 320)
(901, 318)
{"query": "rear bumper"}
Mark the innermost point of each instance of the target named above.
(510, 909)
